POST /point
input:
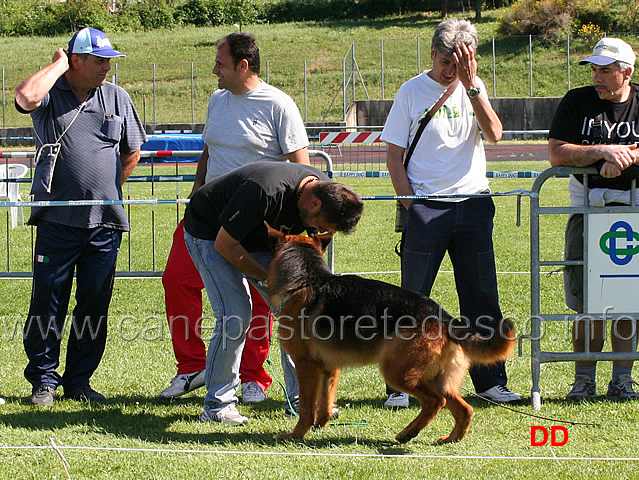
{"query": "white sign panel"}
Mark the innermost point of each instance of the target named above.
(613, 263)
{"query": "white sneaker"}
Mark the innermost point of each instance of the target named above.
(227, 416)
(500, 394)
(252, 393)
(182, 384)
(397, 400)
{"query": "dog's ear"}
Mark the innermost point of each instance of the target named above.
(323, 240)
(274, 236)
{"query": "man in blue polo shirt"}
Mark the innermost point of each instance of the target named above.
(97, 134)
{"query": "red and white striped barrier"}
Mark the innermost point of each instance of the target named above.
(349, 137)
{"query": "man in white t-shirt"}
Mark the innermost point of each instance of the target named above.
(448, 160)
(247, 120)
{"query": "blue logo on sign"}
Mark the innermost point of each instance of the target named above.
(608, 243)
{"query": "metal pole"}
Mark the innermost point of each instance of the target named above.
(419, 57)
(117, 74)
(3, 100)
(305, 95)
(144, 111)
(530, 62)
(494, 70)
(154, 93)
(353, 68)
(568, 59)
(192, 95)
(268, 71)
(344, 83)
(382, 63)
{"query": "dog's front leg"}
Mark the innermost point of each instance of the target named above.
(326, 395)
(308, 377)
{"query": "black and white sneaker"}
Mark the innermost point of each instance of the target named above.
(397, 400)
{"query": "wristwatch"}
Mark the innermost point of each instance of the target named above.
(473, 92)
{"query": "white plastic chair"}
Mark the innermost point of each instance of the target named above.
(10, 191)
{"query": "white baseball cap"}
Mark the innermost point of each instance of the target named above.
(609, 50)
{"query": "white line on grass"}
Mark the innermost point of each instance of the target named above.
(323, 454)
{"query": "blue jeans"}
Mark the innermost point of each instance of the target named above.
(465, 230)
(228, 292)
(60, 251)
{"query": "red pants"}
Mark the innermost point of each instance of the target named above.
(183, 298)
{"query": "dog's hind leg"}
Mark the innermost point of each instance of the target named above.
(326, 395)
(462, 413)
(309, 374)
(431, 401)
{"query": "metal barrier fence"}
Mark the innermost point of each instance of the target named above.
(593, 299)
(353, 160)
(20, 242)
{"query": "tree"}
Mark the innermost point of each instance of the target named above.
(478, 5)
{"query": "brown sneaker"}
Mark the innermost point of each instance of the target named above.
(622, 388)
(583, 389)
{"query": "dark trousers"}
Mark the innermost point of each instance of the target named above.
(60, 251)
(465, 230)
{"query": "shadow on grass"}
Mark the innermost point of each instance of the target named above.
(143, 418)
(140, 417)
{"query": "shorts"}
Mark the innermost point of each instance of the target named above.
(574, 274)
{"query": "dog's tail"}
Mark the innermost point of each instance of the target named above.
(491, 346)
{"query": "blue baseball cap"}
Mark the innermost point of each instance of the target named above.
(94, 42)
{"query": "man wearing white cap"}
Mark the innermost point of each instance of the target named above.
(597, 126)
(89, 136)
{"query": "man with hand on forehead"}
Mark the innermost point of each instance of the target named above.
(449, 161)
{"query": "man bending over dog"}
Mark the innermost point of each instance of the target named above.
(227, 239)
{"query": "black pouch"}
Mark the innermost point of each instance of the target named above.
(45, 159)
(400, 218)
(400, 211)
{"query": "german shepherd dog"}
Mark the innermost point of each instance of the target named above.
(328, 322)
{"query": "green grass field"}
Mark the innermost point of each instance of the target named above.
(159, 65)
(137, 435)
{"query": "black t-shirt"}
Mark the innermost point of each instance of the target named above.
(582, 118)
(243, 199)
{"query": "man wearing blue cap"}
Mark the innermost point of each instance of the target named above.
(89, 137)
(596, 126)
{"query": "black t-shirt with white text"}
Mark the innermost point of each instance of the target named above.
(582, 118)
(243, 199)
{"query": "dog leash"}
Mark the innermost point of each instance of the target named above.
(285, 298)
(290, 293)
(521, 412)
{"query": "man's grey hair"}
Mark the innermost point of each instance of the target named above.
(623, 66)
(453, 32)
